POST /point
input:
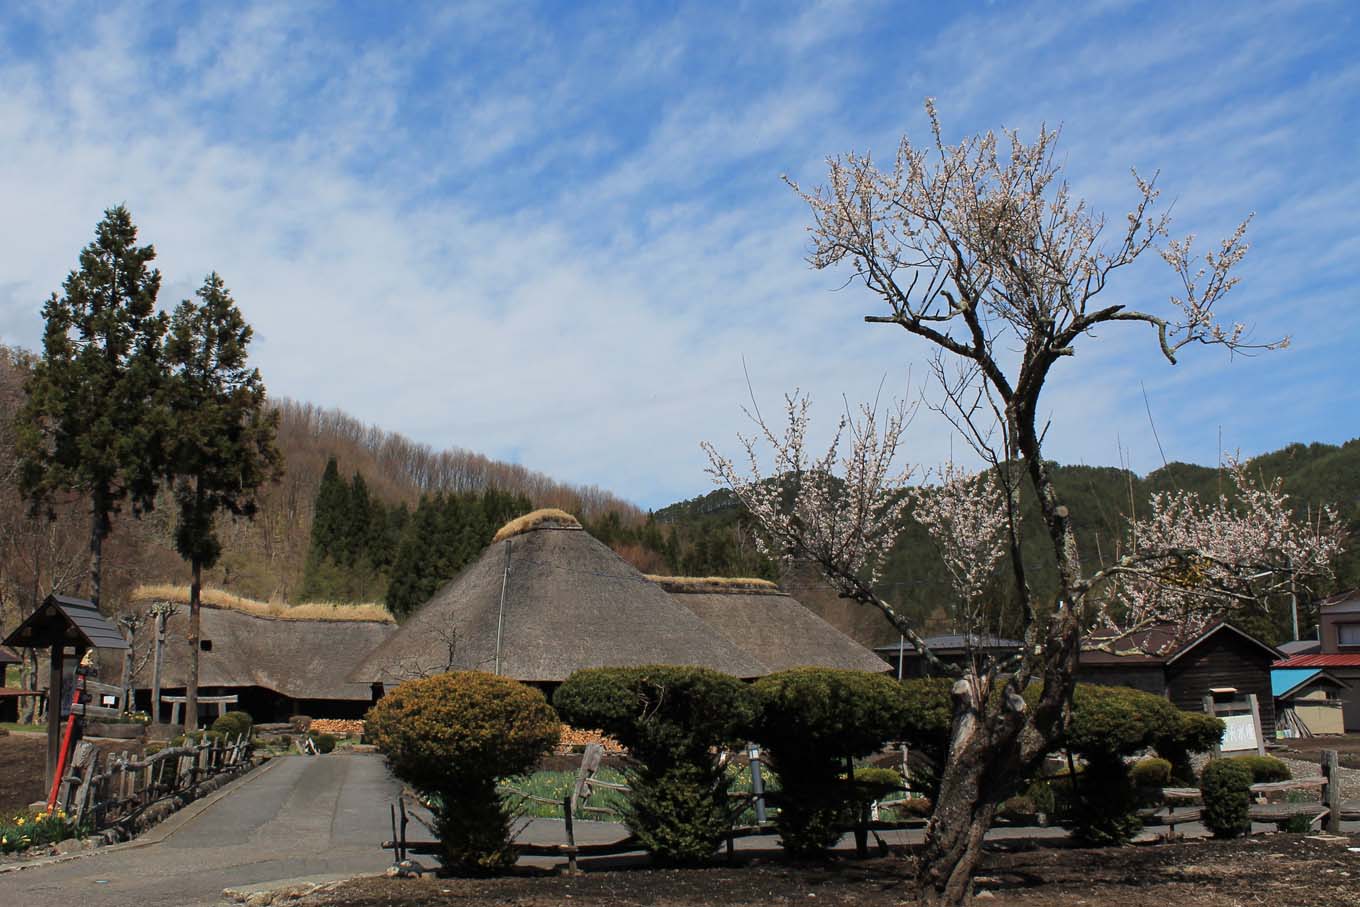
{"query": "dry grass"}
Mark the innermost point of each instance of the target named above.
(732, 584)
(218, 598)
(533, 521)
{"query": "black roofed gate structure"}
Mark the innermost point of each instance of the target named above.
(63, 623)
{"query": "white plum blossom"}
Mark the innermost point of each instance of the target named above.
(967, 519)
(1190, 562)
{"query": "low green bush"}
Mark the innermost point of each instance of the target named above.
(324, 743)
(452, 737)
(1192, 732)
(813, 722)
(1151, 772)
(673, 720)
(1264, 769)
(234, 724)
(1106, 810)
(1225, 785)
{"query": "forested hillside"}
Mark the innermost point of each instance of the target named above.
(1100, 499)
(363, 514)
(267, 557)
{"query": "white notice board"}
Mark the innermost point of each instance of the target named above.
(1239, 733)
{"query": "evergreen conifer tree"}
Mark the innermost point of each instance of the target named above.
(220, 439)
(90, 423)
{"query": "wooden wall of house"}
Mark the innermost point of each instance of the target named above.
(1225, 659)
(1150, 678)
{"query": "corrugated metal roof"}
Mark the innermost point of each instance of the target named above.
(1320, 661)
(958, 641)
(1282, 680)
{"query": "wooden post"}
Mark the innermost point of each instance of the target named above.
(157, 660)
(54, 692)
(1256, 722)
(1331, 792)
(571, 836)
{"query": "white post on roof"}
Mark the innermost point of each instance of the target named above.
(901, 656)
(500, 617)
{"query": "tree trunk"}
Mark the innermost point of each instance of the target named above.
(191, 687)
(28, 680)
(98, 529)
(982, 765)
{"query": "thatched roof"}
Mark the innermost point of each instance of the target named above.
(770, 624)
(220, 598)
(569, 603)
(301, 659)
(547, 518)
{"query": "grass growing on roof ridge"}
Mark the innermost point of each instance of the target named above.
(533, 520)
(726, 583)
(220, 598)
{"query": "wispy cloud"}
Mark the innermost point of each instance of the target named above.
(557, 232)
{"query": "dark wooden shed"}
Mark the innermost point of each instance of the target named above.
(1185, 670)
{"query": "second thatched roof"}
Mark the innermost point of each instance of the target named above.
(543, 603)
(770, 624)
(300, 659)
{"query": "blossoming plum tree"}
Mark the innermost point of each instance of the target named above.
(986, 255)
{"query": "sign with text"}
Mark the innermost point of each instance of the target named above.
(1239, 733)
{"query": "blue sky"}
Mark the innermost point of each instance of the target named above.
(554, 233)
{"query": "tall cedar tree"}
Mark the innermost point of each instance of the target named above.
(221, 446)
(90, 424)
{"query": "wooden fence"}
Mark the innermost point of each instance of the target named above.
(1180, 806)
(125, 788)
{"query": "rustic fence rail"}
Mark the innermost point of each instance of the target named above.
(117, 793)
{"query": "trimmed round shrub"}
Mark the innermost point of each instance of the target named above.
(1264, 769)
(451, 737)
(324, 743)
(234, 724)
(1192, 732)
(1106, 810)
(1151, 772)
(673, 720)
(814, 721)
(1225, 785)
(1109, 723)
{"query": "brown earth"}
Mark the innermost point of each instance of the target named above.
(1293, 870)
(23, 762)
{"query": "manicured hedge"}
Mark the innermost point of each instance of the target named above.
(451, 737)
(1226, 788)
(673, 720)
(234, 724)
(814, 722)
(1264, 769)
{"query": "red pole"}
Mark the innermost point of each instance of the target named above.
(66, 741)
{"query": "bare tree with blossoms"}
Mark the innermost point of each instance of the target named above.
(985, 254)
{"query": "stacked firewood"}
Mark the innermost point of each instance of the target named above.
(576, 738)
(337, 727)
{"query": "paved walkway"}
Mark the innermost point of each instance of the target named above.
(296, 817)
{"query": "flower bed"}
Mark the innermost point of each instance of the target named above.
(34, 830)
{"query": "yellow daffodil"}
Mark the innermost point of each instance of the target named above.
(19, 821)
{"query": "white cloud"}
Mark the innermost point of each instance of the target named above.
(560, 239)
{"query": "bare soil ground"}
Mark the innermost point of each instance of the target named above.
(23, 762)
(1294, 870)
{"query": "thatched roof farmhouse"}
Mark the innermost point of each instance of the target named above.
(542, 601)
(769, 624)
(277, 661)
